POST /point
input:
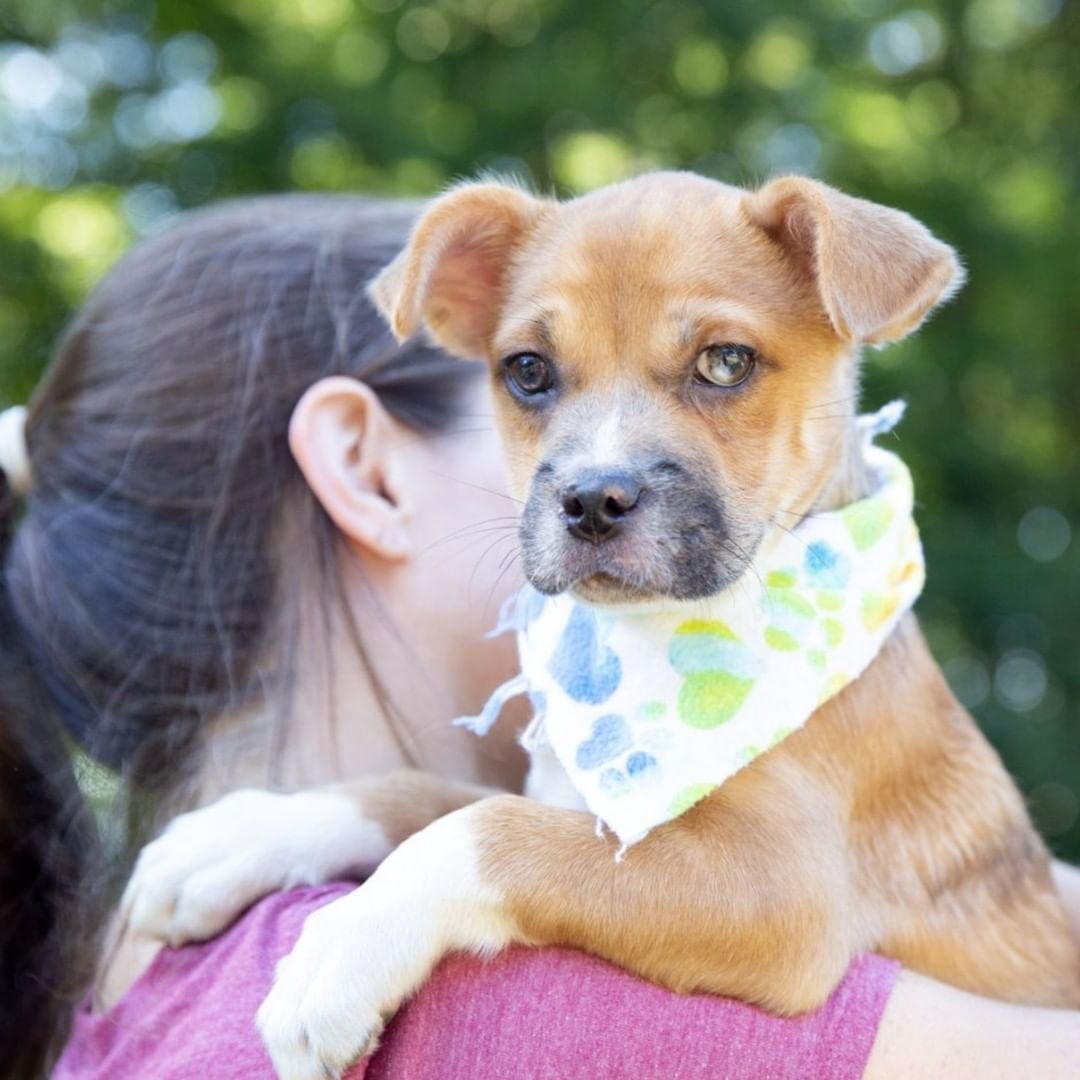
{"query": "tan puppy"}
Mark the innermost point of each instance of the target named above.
(887, 823)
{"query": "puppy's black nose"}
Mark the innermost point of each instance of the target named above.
(596, 503)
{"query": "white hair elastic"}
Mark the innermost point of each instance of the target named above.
(14, 456)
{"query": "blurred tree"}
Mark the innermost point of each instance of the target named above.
(115, 114)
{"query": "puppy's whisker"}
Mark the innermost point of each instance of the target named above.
(507, 566)
(742, 581)
(467, 539)
(745, 585)
(509, 557)
(506, 523)
(836, 401)
(480, 561)
(447, 433)
(505, 520)
(792, 534)
(478, 487)
(738, 551)
(450, 563)
(800, 515)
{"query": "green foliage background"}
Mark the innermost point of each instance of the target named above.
(114, 114)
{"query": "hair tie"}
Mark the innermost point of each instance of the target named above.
(14, 455)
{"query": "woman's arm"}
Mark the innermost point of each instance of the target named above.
(929, 1029)
(1067, 879)
(580, 1014)
(554, 1012)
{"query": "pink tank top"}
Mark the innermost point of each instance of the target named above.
(530, 1014)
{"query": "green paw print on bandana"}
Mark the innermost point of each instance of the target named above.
(803, 604)
(689, 796)
(791, 616)
(867, 520)
(718, 671)
(748, 753)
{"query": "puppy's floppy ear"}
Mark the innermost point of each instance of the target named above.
(451, 274)
(879, 271)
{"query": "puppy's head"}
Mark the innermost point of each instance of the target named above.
(674, 359)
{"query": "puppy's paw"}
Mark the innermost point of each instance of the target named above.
(212, 864)
(334, 992)
(360, 957)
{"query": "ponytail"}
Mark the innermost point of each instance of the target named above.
(46, 844)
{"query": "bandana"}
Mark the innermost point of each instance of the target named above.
(650, 707)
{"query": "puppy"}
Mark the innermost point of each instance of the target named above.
(675, 369)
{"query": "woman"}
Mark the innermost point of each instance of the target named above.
(259, 547)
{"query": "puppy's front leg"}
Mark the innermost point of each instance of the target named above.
(716, 901)
(361, 956)
(212, 863)
(734, 898)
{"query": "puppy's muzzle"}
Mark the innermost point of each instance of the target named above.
(630, 530)
(596, 504)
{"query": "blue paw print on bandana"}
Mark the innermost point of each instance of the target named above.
(639, 763)
(614, 782)
(609, 739)
(588, 671)
(610, 736)
(639, 766)
(825, 567)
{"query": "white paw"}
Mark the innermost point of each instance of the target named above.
(333, 993)
(361, 956)
(212, 864)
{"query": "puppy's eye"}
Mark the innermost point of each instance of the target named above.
(529, 373)
(725, 365)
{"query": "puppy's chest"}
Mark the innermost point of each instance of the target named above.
(549, 783)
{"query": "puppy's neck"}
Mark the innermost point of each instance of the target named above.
(848, 480)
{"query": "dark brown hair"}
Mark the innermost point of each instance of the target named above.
(143, 585)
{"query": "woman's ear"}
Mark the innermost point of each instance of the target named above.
(342, 438)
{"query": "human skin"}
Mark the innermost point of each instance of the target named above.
(419, 517)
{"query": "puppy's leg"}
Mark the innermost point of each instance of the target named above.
(213, 863)
(360, 956)
(721, 900)
(728, 899)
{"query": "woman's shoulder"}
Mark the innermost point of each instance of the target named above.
(550, 1012)
(194, 1007)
